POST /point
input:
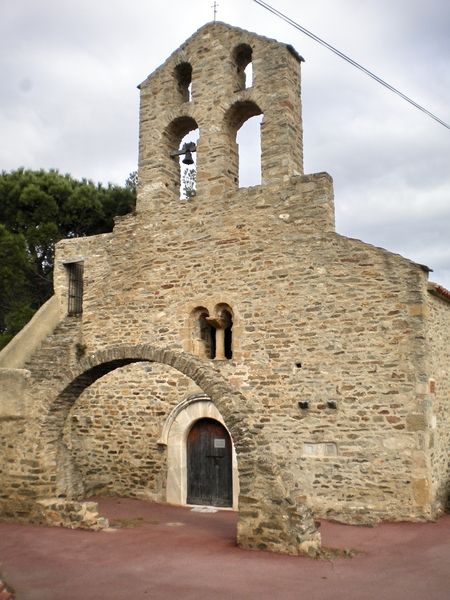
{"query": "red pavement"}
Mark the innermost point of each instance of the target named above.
(164, 553)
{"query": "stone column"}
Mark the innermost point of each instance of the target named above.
(220, 344)
(219, 324)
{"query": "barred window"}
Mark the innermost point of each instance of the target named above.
(75, 295)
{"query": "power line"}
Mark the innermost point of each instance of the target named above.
(349, 60)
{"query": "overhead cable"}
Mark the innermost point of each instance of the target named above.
(349, 60)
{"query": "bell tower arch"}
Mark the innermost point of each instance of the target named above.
(206, 83)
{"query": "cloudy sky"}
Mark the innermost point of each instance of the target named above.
(68, 99)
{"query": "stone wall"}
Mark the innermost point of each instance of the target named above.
(54, 512)
(12, 469)
(439, 392)
(317, 318)
(113, 429)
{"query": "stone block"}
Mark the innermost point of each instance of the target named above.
(421, 492)
(13, 393)
(416, 422)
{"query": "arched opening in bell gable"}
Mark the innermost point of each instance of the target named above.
(244, 120)
(181, 139)
(248, 139)
(188, 169)
(183, 77)
(242, 56)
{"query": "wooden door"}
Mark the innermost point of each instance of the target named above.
(209, 464)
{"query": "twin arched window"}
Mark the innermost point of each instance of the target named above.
(211, 335)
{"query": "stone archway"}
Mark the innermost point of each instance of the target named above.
(65, 480)
(174, 434)
(269, 516)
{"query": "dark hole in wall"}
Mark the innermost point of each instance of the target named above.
(242, 57)
(183, 74)
(228, 343)
(208, 335)
(228, 334)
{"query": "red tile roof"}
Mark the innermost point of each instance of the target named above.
(438, 290)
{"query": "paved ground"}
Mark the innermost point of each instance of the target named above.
(166, 553)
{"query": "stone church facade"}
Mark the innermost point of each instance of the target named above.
(318, 365)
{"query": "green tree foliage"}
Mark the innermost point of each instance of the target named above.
(132, 181)
(37, 209)
(15, 291)
(189, 183)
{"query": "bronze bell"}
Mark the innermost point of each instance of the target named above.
(188, 160)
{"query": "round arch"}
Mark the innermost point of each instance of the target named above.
(269, 515)
(233, 406)
(178, 127)
(239, 112)
(235, 117)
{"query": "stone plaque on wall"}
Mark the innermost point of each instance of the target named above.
(320, 450)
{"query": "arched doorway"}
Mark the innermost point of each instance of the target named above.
(209, 464)
(175, 434)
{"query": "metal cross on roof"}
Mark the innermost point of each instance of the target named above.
(214, 6)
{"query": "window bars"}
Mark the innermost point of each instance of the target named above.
(75, 296)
